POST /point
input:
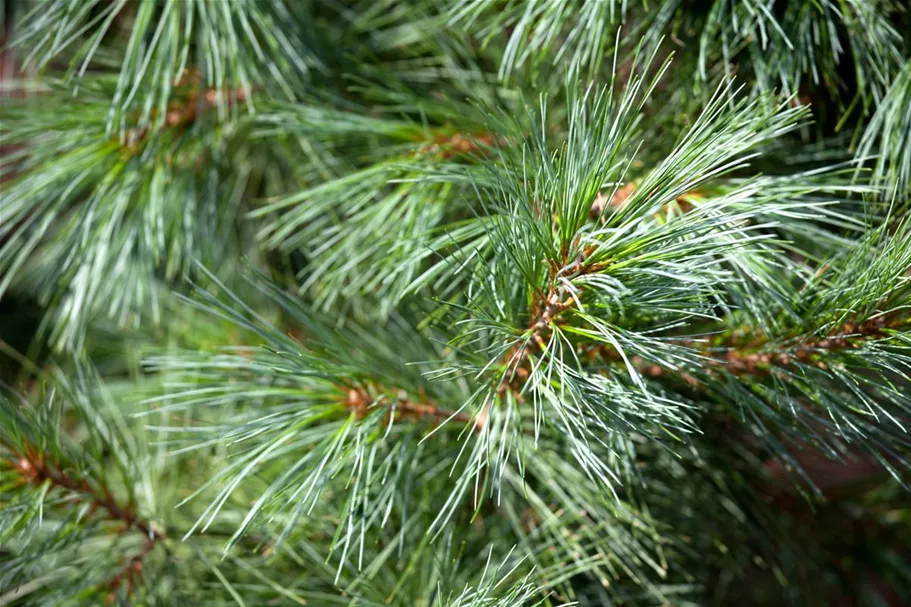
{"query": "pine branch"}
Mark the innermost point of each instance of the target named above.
(183, 113)
(574, 32)
(760, 355)
(360, 402)
(106, 222)
(516, 305)
(238, 43)
(786, 47)
(37, 471)
(546, 310)
(369, 225)
(887, 138)
(42, 461)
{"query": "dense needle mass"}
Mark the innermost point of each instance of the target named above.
(455, 303)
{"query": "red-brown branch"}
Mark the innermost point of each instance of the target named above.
(359, 401)
(129, 573)
(35, 470)
(449, 145)
(617, 201)
(546, 308)
(183, 113)
(749, 358)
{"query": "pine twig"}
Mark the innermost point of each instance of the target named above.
(359, 401)
(36, 471)
(545, 310)
(129, 573)
(617, 201)
(849, 336)
(451, 145)
(749, 359)
(181, 115)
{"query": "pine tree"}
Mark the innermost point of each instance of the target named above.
(455, 303)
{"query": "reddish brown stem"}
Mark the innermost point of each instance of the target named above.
(545, 310)
(617, 201)
(360, 401)
(181, 114)
(459, 143)
(34, 469)
(129, 573)
(37, 471)
(750, 358)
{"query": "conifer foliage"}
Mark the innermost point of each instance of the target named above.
(455, 303)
